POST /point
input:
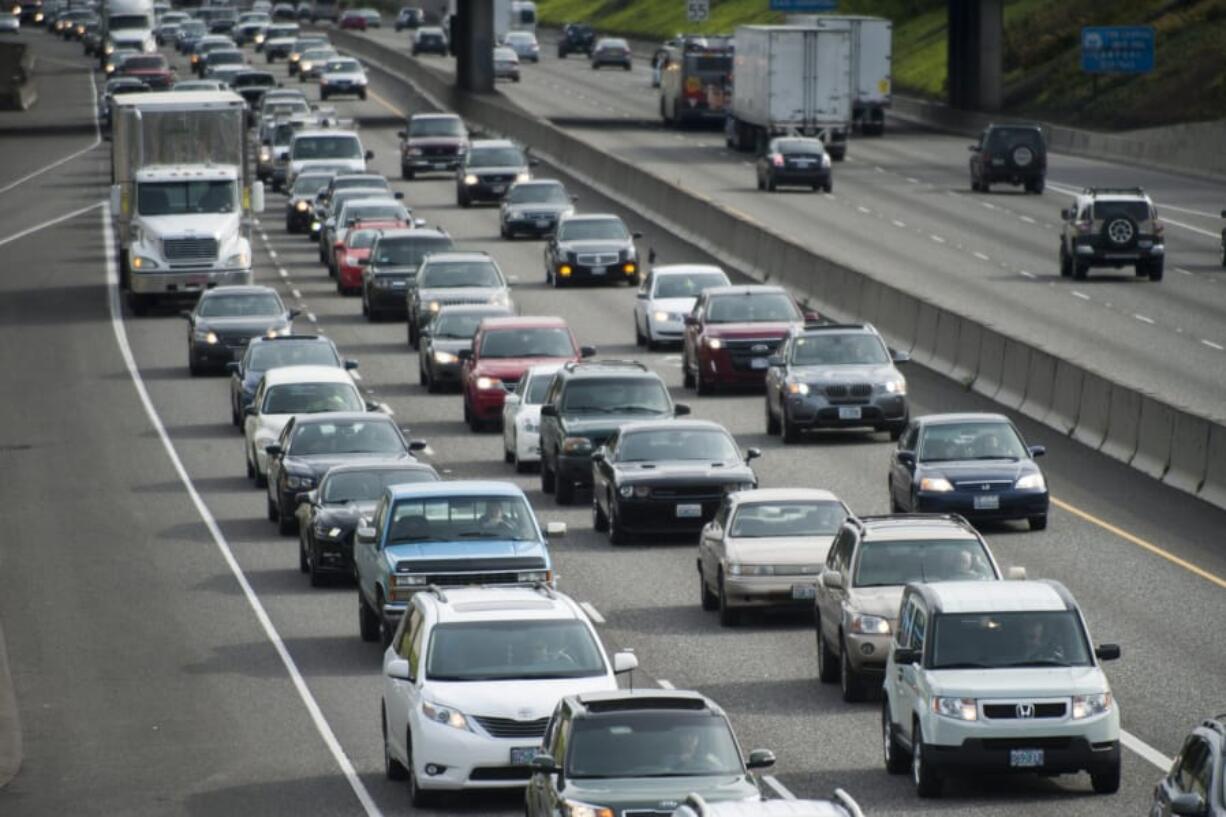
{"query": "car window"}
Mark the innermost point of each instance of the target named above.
(608, 229)
(240, 306)
(457, 325)
(1135, 210)
(752, 308)
(1195, 771)
(436, 126)
(408, 252)
(836, 558)
(905, 622)
(270, 355)
(1004, 138)
(512, 650)
(659, 743)
(919, 629)
(496, 157)
(537, 386)
(762, 520)
(606, 395)
(943, 442)
(354, 437)
(687, 285)
(311, 398)
(460, 274)
(327, 147)
(461, 518)
(534, 342)
(799, 147)
(367, 486)
(705, 445)
(414, 653)
(412, 621)
(898, 562)
(1029, 638)
(839, 349)
(537, 194)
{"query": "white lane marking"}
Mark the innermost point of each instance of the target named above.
(1027, 219)
(1183, 271)
(937, 239)
(1190, 228)
(93, 90)
(1080, 295)
(310, 316)
(665, 683)
(988, 205)
(981, 256)
(1027, 274)
(1213, 345)
(1143, 318)
(1146, 751)
(863, 209)
(592, 612)
(898, 223)
(219, 538)
(296, 293)
(283, 273)
(879, 168)
(912, 181)
(50, 223)
(777, 787)
(272, 253)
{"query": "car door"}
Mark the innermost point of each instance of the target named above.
(900, 699)
(831, 600)
(366, 554)
(711, 546)
(911, 684)
(404, 697)
(274, 463)
(902, 474)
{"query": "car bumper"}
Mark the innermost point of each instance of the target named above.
(994, 173)
(1096, 253)
(665, 331)
(1070, 746)
(804, 177)
(387, 300)
(1012, 505)
(426, 164)
(722, 370)
(349, 88)
(867, 653)
(185, 283)
(482, 191)
(486, 404)
(816, 412)
(527, 446)
(770, 591)
(217, 353)
(614, 273)
(656, 517)
(334, 555)
(464, 760)
(530, 226)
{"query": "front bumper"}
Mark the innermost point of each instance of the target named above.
(444, 372)
(1012, 505)
(486, 191)
(1068, 746)
(218, 353)
(615, 272)
(815, 411)
(299, 221)
(334, 88)
(770, 591)
(425, 164)
(185, 283)
(334, 555)
(387, 300)
(720, 368)
(664, 517)
(465, 760)
(867, 653)
(486, 404)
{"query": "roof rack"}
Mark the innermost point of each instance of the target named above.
(661, 699)
(919, 517)
(1098, 191)
(610, 362)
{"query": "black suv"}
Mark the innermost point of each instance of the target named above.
(586, 403)
(577, 38)
(1196, 783)
(1112, 227)
(1016, 154)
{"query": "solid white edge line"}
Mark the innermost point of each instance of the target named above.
(223, 546)
(592, 612)
(665, 683)
(50, 223)
(97, 141)
(1145, 751)
(777, 787)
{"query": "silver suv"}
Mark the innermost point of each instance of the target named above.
(1112, 227)
(871, 560)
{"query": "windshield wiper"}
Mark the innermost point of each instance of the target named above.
(963, 665)
(652, 409)
(1009, 457)
(1039, 662)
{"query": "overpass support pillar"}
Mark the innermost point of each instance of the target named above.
(976, 54)
(473, 44)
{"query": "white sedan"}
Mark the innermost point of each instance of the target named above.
(343, 75)
(521, 417)
(666, 296)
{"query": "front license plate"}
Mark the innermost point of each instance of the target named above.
(990, 502)
(541, 223)
(804, 591)
(758, 363)
(522, 755)
(1025, 758)
(398, 284)
(599, 270)
(498, 188)
(689, 511)
(849, 413)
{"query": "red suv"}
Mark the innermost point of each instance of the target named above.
(502, 351)
(732, 332)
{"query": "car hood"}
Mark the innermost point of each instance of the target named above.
(346, 515)
(870, 373)
(782, 550)
(1034, 682)
(514, 700)
(551, 207)
(878, 601)
(762, 329)
(602, 246)
(980, 470)
(472, 294)
(672, 305)
(197, 225)
(246, 326)
(512, 368)
(684, 471)
(465, 549)
(662, 793)
(319, 464)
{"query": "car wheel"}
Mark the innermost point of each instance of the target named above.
(701, 386)
(770, 184)
(600, 522)
(772, 422)
(895, 755)
(547, 481)
(368, 621)
(829, 186)
(508, 456)
(1223, 253)
(287, 523)
(728, 616)
(386, 628)
(895, 505)
(896, 431)
(414, 336)
(927, 784)
(789, 431)
(639, 339)
(1106, 780)
(323, 96)
(564, 490)
(1155, 270)
(521, 467)
(1038, 522)
(303, 566)
(850, 682)
(687, 377)
(362, 95)
(1037, 186)
(1066, 263)
(270, 509)
(617, 534)
(710, 601)
(985, 187)
(236, 419)
(827, 661)
(317, 576)
(761, 184)
(1079, 271)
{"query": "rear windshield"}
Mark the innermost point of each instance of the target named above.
(310, 398)
(898, 562)
(375, 212)
(254, 81)
(1103, 210)
(144, 63)
(436, 126)
(360, 181)
(616, 396)
(327, 147)
(688, 285)
(659, 744)
(799, 147)
(798, 518)
(240, 306)
(709, 65)
(273, 354)
(1007, 137)
(408, 252)
(309, 185)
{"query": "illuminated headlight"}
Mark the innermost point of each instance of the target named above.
(825, 160)
(936, 485)
(630, 268)
(576, 445)
(279, 331)
(302, 206)
(149, 46)
(300, 483)
(1087, 706)
(434, 306)
(713, 343)
(259, 39)
(16, 10)
(443, 715)
(110, 49)
(445, 358)
(564, 270)
(206, 337)
(239, 259)
(534, 576)
(265, 155)
(896, 387)
(488, 383)
(1031, 482)
(110, 69)
(38, 17)
(470, 179)
(870, 625)
(141, 262)
(295, 57)
(523, 177)
(315, 226)
(660, 315)
(960, 709)
(306, 66)
(798, 388)
(573, 808)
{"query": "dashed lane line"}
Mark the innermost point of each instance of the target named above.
(981, 256)
(1080, 295)
(1213, 345)
(592, 612)
(1143, 318)
(937, 239)
(51, 222)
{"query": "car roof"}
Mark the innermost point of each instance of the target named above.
(503, 603)
(325, 132)
(455, 487)
(745, 289)
(607, 367)
(671, 424)
(238, 289)
(434, 115)
(961, 417)
(685, 269)
(493, 143)
(762, 495)
(630, 700)
(524, 322)
(913, 527)
(997, 597)
(460, 255)
(306, 374)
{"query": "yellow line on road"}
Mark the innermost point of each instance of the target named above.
(1141, 543)
(385, 103)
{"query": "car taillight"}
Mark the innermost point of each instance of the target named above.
(1084, 226)
(693, 86)
(777, 160)
(1159, 228)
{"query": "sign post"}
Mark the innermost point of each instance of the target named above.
(697, 11)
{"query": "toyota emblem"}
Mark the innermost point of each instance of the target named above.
(1025, 710)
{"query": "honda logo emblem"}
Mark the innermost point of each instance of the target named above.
(1025, 710)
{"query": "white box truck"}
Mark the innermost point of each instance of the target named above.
(790, 80)
(126, 24)
(182, 195)
(872, 55)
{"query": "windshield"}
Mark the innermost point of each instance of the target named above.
(375, 212)
(839, 350)
(755, 308)
(460, 274)
(706, 445)
(542, 342)
(455, 518)
(898, 562)
(408, 252)
(436, 126)
(971, 441)
(458, 325)
(496, 157)
(236, 306)
(225, 58)
(505, 55)
(513, 651)
(688, 285)
(368, 182)
(351, 437)
(311, 398)
(1008, 137)
(362, 239)
(537, 387)
(538, 194)
(183, 198)
(124, 22)
(616, 395)
(342, 66)
(800, 518)
(308, 186)
(281, 31)
(270, 355)
(144, 63)
(659, 743)
(999, 640)
(327, 147)
(608, 229)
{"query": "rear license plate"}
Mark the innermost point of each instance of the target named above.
(541, 223)
(522, 755)
(439, 165)
(689, 511)
(599, 270)
(802, 163)
(990, 502)
(758, 363)
(1025, 758)
(849, 413)
(804, 591)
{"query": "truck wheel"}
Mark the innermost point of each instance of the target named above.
(368, 622)
(139, 304)
(1155, 270)
(827, 661)
(1066, 264)
(1079, 271)
(564, 490)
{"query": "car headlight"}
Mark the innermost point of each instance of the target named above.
(441, 714)
(576, 445)
(961, 709)
(896, 387)
(938, 485)
(825, 160)
(488, 383)
(445, 358)
(798, 388)
(141, 262)
(713, 343)
(1031, 482)
(870, 625)
(470, 179)
(259, 39)
(110, 49)
(434, 306)
(305, 66)
(1087, 706)
(523, 176)
(408, 581)
(315, 225)
(531, 576)
(573, 808)
(295, 57)
(206, 337)
(300, 483)
(278, 331)
(302, 206)
(414, 151)
(239, 259)
(660, 315)
(265, 155)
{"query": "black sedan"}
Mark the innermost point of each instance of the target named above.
(311, 444)
(251, 84)
(611, 51)
(330, 514)
(300, 204)
(666, 477)
(226, 319)
(976, 465)
(488, 170)
(270, 353)
(443, 339)
(534, 208)
(795, 162)
(595, 248)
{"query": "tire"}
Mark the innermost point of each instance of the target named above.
(1155, 269)
(761, 185)
(701, 386)
(1036, 186)
(827, 661)
(927, 783)
(600, 521)
(1106, 781)
(639, 339)
(508, 456)
(617, 534)
(235, 419)
(193, 365)
(851, 683)
(548, 483)
(386, 629)
(406, 173)
(414, 336)
(896, 431)
(368, 621)
(1079, 271)
(770, 184)
(710, 601)
(1066, 263)
(564, 490)
(362, 95)
(789, 432)
(1038, 522)
(418, 797)
(728, 616)
(687, 379)
(896, 759)
(287, 523)
(271, 509)
(250, 468)
(772, 422)
(304, 566)
(829, 186)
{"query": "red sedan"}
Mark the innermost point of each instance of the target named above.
(732, 333)
(339, 246)
(503, 348)
(151, 69)
(353, 20)
(352, 255)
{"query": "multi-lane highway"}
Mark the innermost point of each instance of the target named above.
(168, 657)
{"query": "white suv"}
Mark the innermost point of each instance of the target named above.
(471, 678)
(995, 677)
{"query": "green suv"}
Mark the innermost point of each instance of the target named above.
(587, 402)
(639, 752)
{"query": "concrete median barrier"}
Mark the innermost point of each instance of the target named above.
(966, 361)
(1214, 487)
(927, 320)
(1123, 424)
(1066, 397)
(944, 356)
(991, 363)
(1040, 386)
(1155, 432)
(1094, 411)
(1189, 463)
(899, 318)
(1014, 376)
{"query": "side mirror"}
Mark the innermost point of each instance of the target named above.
(1189, 804)
(690, 320)
(398, 668)
(812, 316)
(752, 454)
(907, 458)
(625, 662)
(250, 411)
(370, 154)
(1224, 214)
(636, 236)
(350, 365)
(776, 361)
(465, 354)
(1107, 652)
(899, 356)
(681, 410)
(575, 200)
(365, 535)
(643, 294)
(905, 655)
(371, 405)
(293, 313)
(403, 134)
(303, 498)
(651, 255)
(1016, 573)
(232, 367)
(1038, 450)
(418, 445)
(545, 764)
(587, 351)
(257, 197)
(272, 450)
(832, 579)
(398, 195)
(511, 400)
(555, 530)
(598, 455)
(549, 410)
(760, 759)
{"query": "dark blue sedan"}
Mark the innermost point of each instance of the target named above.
(267, 353)
(976, 465)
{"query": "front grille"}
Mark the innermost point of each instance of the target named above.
(1026, 743)
(440, 150)
(508, 728)
(1010, 711)
(596, 259)
(231, 339)
(470, 579)
(985, 485)
(681, 493)
(744, 351)
(498, 178)
(190, 249)
(541, 216)
(500, 773)
(839, 390)
(460, 301)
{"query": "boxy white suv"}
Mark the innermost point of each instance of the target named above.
(473, 675)
(997, 677)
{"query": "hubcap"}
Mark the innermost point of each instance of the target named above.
(1120, 231)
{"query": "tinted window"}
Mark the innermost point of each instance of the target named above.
(460, 274)
(536, 390)
(971, 441)
(183, 198)
(368, 182)
(512, 650)
(1010, 137)
(802, 147)
(408, 252)
(496, 157)
(456, 518)
(1103, 210)
(327, 147)
(609, 395)
(652, 744)
(542, 342)
(1018, 639)
(347, 66)
(801, 518)
(688, 285)
(887, 564)
(708, 445)
(376, 212)
(440, 126)
(311, 398)
(361, 239)
(265, 356)
(237, 306)
(754, 308)
(608, 229)
(363, 437)
(838, 350)
(709, 65)
(144, 63)
(538, 194)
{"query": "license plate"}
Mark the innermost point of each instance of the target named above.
(689, 511)
(398, 284)
(1025, 758)
(599, 270)
(804, 591)
(541, 223)
(439, 165)
(522, 755)
(758, 363)
(498, 188)
(802, 164)
(990, 502)
(849, 413)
